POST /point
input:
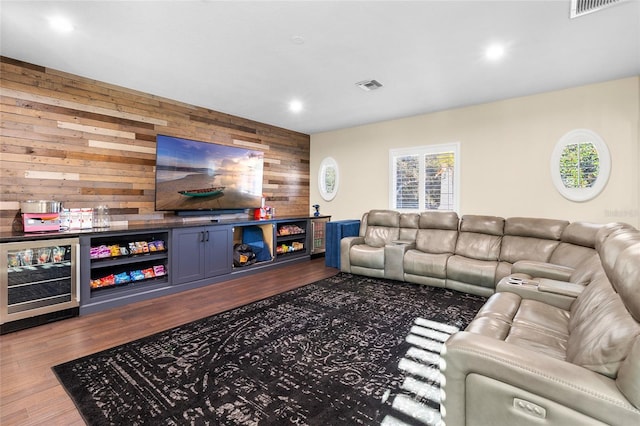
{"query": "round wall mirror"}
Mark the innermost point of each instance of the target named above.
(328, 179)
(580, 165)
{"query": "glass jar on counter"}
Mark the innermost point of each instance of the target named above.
(101, 217)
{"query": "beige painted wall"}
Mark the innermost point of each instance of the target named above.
(505, 150)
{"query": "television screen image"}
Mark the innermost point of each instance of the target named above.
(193, 175)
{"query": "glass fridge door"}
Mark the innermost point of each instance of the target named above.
(38, 277)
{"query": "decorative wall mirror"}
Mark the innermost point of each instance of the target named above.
(580, 165)
(328, 178)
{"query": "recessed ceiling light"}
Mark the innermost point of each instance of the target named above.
(494, 52)
(295, 106)
(61, 24)
(297, 39)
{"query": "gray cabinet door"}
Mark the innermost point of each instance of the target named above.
(187, 255)
(218, 250)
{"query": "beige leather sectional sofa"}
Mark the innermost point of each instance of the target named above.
(558, 340)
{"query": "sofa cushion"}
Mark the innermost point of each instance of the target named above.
(625, 279)
(569, 254)
(515, 248)
(628, 380)
(367, 256)
(552, 320)
(502, 306)
(491, 225)
(585, 271)
(538, 340)
(416, 262)
(546, 229)
(526, 323)
(382, 228)
(438, 232)
(601, 329)
(614, 245)
(478, 246)
(408, 226)
(581, 233)
(530, 239)
(467, 270)
(436, 241)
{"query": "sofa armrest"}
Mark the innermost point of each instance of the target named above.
(345, 247)
(560, 287)
(490, 378)
(542, 270)
(394, 258)
(550, 294)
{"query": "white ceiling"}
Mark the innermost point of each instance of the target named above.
(244, 58)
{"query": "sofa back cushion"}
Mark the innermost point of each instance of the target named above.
(611, 247)
(625, 279)
(546, 229)
(571, 255)
(408, 226)
(581, 234)
(383, 227)
(610, 229)
(601, 330)
(530, 239)
(480, 237)
(585, 270)
(628, 380)
(438, 232)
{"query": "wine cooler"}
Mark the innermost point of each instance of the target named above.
(38, 282)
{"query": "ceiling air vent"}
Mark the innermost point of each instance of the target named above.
(584, 7)
(369, 85)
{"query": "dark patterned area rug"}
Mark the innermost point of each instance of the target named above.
(345, 350)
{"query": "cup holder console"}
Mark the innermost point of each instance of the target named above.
(520, 281)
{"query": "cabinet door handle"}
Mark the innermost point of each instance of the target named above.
(202, 236)
(207, 236)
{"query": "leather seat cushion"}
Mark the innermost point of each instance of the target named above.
(367, 256)
(539, 315)
(479, 272)
(538, 340)
(502, 306)
(425, 264)
(523, 322)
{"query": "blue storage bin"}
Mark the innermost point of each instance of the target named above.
(334, 232)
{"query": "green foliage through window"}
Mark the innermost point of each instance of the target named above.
(579, 165)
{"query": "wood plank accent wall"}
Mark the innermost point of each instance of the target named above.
(87, 143)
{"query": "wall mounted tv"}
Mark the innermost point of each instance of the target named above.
(193, 176)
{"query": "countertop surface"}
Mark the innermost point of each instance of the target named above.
(7, 237)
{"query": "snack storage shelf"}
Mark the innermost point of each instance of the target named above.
(122, 266)
(292, 239)
(125, 260)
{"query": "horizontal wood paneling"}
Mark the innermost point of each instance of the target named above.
(85, 143)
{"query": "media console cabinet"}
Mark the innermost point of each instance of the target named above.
(118, 266)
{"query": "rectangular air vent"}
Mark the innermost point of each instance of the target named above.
(369, 85)
(584, 7)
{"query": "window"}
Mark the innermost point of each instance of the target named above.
(425, 178)
(580, 165)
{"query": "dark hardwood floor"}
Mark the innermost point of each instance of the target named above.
(30, 394)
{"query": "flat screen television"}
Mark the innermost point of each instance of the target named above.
(194, 176)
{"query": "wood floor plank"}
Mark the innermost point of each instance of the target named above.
(30, 394)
